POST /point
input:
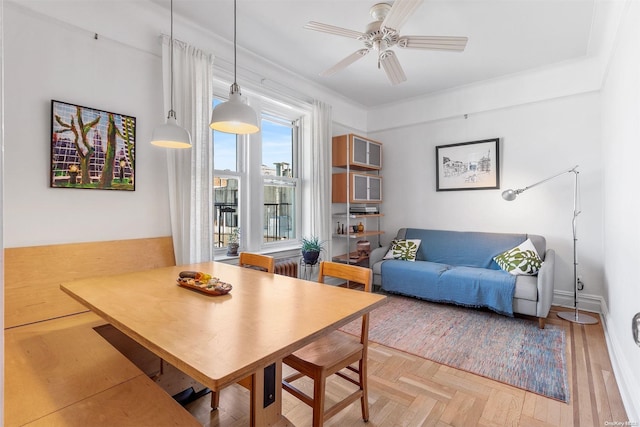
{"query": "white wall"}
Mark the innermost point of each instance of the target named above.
(538, 140)
(1, 196)
(621, 136)
(46, 60)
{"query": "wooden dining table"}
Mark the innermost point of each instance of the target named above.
(220, 340)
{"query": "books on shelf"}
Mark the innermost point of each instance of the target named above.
(363, 209)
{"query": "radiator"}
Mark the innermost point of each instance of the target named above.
(287, 267)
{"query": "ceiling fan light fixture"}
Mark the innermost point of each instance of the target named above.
(170, 135)
(234, 116)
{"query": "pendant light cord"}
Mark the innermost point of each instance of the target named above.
(235, 54)
(234, 87)
(172, 113)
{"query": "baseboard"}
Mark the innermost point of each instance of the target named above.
(621, 370)
(586, 302)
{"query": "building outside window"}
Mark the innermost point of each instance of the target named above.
(280, 178)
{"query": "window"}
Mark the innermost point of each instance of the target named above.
(280, 180)
(226, 185)
(256, 183)
(225, 148)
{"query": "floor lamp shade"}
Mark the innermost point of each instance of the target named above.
(170, 135)
(234, 116)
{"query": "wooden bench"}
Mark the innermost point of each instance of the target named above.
(58, 369)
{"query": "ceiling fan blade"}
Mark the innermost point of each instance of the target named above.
(331, 29)
(392, 67)
(399, 13)
(345, 62)
(433, 42)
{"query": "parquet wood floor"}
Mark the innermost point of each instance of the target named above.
(405, 390)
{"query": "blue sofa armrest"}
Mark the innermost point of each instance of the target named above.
(545, 284)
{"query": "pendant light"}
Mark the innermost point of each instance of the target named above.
(170, 135)
(234, 116)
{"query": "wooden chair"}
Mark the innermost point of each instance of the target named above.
(248, 260)
(333, 353)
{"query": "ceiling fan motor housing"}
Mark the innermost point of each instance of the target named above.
(378, 38)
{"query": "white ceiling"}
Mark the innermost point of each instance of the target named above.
(505, 37)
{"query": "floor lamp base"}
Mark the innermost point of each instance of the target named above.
(577, 317)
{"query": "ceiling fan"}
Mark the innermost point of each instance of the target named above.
(383, 33)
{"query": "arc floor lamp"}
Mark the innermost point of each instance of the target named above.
(575, 316)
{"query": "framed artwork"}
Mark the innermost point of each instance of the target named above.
(471, 165)
(91, 149)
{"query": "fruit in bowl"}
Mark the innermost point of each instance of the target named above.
(198, 276)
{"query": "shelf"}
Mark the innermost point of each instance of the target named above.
(353, 216)
(351, 258)
(360, 234)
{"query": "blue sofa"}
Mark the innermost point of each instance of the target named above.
(458, 267)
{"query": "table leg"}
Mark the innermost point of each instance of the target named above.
(266, 397)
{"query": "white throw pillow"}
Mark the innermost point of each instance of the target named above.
(521, 260)
(405, 249)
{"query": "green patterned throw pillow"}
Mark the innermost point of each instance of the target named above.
(405, 249)
(521, 260)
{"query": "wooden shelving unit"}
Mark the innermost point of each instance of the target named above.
(356, 182)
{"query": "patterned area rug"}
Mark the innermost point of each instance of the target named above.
(510, 350)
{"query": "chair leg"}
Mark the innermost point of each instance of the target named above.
(318, 401)
(364, 400)
(215, 400)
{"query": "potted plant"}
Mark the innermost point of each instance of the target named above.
(234, 242)
(311, 248)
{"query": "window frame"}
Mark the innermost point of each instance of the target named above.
(247, 148)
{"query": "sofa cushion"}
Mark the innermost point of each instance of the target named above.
(465, 248)
(521, 260)
(403, 249)
(468, 286)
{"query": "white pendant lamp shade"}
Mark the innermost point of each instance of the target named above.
(170, 135)
(234, 116)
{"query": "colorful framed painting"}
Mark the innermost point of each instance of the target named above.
(471, 165)
(91, 149)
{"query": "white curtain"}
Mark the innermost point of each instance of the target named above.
(321, 171)
(190, 171)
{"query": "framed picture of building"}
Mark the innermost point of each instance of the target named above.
(91, 148)
(471, 165)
